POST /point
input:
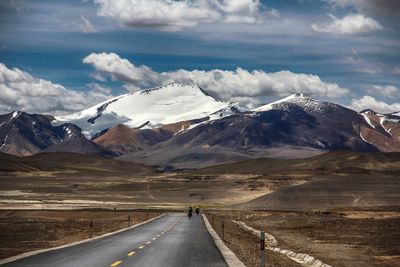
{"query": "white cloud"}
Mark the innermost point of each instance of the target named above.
(370, 70)
(121, 69)
(368, 67)
(389, 92)
(346, 3)
(86, 26)
(171, 15)
(99, 89)
(369, 102)
(81, 24)
(247, 87)
(21, 91)
(352, 24)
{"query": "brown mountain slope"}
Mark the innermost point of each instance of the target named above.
(70, 162)
(123, 139)
(81, 145)
(381, 131)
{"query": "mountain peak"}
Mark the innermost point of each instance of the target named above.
(170, 86)
(154, 107)
(368, 112)
(298, 99)
(295, 97)
(298, 95)
(15, 114)
(183, 88)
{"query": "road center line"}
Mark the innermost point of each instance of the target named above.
(131, 253)
(148, 242)
(116, 263)
(141, 247)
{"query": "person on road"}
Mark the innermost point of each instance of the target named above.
(197, 210)
(190, 212)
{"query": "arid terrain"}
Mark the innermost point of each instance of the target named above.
(338, 238)
(341, 208)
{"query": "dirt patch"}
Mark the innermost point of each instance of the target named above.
(371, 215)
(24, 231)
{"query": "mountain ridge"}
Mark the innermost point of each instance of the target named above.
(219, 132)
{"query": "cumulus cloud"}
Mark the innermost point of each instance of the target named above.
(171, 15)
(352, 24)
(21, 91)
(246, 87)
(369, 102)
(120, 69)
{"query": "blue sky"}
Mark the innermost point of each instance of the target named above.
(351, 46)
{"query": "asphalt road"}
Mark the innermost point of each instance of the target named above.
(172, 240)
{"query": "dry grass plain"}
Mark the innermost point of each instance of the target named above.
(338, 238)
(58, 190)
(342, 208)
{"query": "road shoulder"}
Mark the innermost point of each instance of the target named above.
(230, 257)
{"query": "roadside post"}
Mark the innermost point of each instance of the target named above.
(129, 220)
(262, 249)
(223, 230)
(91, 228)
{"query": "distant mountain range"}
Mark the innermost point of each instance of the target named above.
(183, 126)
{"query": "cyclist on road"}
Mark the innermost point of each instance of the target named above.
(190, 212)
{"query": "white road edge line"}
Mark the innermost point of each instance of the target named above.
(230, 257)
(31, 253)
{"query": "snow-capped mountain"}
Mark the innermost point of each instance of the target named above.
(296, 120)
(293, 127)
(181, 123)
(150, 108)
(24, 134)
(306, 103)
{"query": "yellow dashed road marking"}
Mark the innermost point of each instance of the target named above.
(116, 263)
(142, 247)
